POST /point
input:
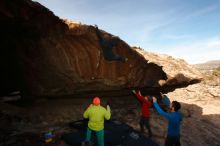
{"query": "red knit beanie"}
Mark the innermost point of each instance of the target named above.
(96, 101)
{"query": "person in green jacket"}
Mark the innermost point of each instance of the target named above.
(96, 115)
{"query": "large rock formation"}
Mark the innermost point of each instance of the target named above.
(22, 24)
(42, 55)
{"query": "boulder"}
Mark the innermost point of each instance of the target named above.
(43, 55)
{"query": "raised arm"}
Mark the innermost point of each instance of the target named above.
(165, 99)
(160, 111)
(108, 113)
(138, 95)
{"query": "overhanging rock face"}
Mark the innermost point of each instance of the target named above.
(46, 56)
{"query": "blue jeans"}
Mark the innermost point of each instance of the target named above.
(99, 135)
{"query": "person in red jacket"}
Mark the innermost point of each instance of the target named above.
(145, 112)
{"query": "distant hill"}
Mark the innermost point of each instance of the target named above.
(210, 65)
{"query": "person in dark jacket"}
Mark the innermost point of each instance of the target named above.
(145, 112)
(175, 118)
(107, 46)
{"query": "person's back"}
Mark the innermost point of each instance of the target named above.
(174, 124)
(145, 112)
(96, 115)
(145, 104)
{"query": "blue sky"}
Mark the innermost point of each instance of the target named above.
(187, 29)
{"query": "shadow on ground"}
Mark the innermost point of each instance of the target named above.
(25, 125)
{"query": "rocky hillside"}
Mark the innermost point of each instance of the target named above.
(210, 65)
(199, 101)
(43, 55)
(201, 108)
(177, 69)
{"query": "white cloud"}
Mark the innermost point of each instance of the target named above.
(175, 37)
(214, 43)
(197, 52)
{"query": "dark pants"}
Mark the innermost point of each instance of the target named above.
(145, 122)
(99, 134)
(172, 141)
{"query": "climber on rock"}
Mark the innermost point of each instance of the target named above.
(107, 46)
(96, 115)
(175, 118)
(145, 112)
